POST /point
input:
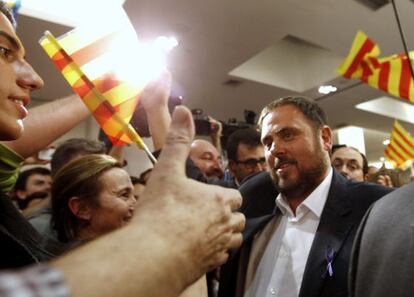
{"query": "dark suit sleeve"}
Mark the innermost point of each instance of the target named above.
(353, 265)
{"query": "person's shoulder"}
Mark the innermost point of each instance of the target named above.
(365, 192)
(257, 180)
(368, 187)
(397, 199)
(41, 213)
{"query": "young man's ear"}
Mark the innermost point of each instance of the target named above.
(232, 165)
(79, 208)
(20, 194)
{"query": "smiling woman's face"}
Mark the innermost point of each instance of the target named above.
(17, 81)
(115, 203)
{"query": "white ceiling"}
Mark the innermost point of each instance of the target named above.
(220, 37)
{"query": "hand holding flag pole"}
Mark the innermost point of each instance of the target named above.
(76, 76)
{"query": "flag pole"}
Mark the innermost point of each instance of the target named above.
(403, 38)
(126, 127)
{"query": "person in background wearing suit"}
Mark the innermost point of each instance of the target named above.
(303, 248)
(382, 262)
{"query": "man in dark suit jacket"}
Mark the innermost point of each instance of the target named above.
(259, 194)
(382, 262)
(310, 256)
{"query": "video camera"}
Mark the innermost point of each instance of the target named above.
(203, 125)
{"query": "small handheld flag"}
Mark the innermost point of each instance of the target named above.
(112, 102)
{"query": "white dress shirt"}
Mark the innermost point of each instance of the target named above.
(280, 252)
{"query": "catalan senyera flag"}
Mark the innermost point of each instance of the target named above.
(84, 62)
(400, 150)
(391, 74)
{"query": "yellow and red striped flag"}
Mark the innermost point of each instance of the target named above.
(400, 150)
(86, 65)
(391, 74)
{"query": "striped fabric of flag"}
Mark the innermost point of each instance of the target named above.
(400, 150)
(85, 64)
(391, 74)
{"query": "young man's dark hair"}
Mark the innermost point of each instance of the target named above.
(24, 176)
(245, 154)
(137, 180)
(40, 188)
(249, 137)
(308, 107)
(72, 148)
(4, 9)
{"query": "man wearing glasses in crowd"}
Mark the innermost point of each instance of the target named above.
(245, 154)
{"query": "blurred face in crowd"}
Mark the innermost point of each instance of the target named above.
(250, 159)
(115, 205)
(206, 157)
(17, 81)
(36, 183)
(296, 152)
(348, 162)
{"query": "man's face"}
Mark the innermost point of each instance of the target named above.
(296, 153)
(206, 157)
(250, 159)
(17, 80)
(36, 183)
(349, 162)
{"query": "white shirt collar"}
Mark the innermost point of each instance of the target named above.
(315, 202)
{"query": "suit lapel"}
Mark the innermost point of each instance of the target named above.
(332, 232)
(253, 226)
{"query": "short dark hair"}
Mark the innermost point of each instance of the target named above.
(80, 178)
(137, 181)
(308, 107)
(20, 184)
(145, 175)
(72, 148)
(247, 136)
(4, 9)
(336, 147)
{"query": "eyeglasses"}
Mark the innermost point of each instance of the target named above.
(252, 163)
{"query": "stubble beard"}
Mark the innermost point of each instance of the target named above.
(308, 180)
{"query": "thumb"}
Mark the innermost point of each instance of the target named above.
(177, 145)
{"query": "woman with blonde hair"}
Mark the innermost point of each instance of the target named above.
(91, 196)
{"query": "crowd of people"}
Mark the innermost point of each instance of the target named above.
(290, 215)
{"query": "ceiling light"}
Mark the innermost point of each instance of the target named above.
(327, 89)
(165, 44)
(389, 107)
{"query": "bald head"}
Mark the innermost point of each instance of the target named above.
(206, 157)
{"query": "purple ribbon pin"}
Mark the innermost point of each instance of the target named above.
(330, 254)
